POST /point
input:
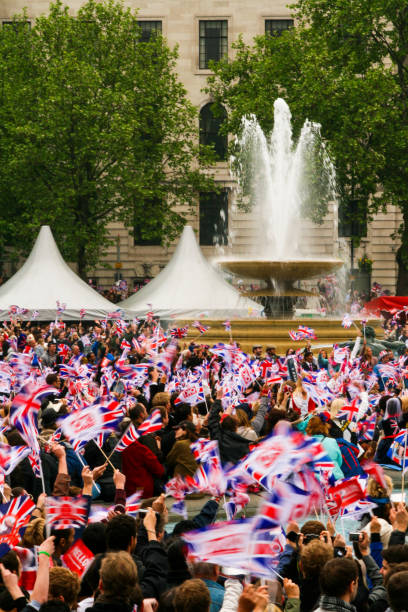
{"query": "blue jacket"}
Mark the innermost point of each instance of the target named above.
(216, 594)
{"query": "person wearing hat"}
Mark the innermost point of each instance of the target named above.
(257, 351)
(180, 459)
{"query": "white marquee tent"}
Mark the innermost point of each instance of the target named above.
(188, 287)
(45, 278)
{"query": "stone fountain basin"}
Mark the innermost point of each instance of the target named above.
(284, 271)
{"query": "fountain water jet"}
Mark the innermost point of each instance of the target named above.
(278, 180)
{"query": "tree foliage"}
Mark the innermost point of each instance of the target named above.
(94, 127)
(344, 66)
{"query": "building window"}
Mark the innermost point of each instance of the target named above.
(213, 41)
(148, 28)
(147, 224)
(214, 218)
(210, 134)
(352, 220)
(275, 27)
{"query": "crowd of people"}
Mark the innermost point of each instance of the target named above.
(103, 421)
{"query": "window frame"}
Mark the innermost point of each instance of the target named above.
(204, 232)
(278, 31)
(203, 58)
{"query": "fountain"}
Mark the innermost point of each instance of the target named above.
(279, 181)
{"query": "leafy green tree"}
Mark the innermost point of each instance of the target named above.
(94, 127)
(345, 66)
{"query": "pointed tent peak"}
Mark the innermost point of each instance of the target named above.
(190, 285)
(46, 278)
(45, 244)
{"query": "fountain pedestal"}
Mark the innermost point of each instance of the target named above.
(279, 295)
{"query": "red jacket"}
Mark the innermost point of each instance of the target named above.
(140, 465)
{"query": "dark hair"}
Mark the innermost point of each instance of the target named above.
(166, 601)
(397, 590)
(119, 532)
(60, 534)
(337, 575)
(10, 562)
(93, 536)
(181, 412)
(312, 527)
(135, 412)
(396, 554)
(54, 605)
(51, 378)
(229, 423)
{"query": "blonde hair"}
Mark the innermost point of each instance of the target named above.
(242, 418)
(336, 405)
(374, 489)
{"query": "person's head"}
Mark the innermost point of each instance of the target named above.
(64, 585)
(257, 350)
(186, 431)
(308, 356)
(118, 576)
(93, 536)
(313, 557)
(192, 596)
(229, 423)
(138, 414)
(182, 412)
(317, 427)
(312, 527)
(394, 554)
(337, 404)
(161, 399)
(242, 418)
(397, 590)
(52, 380)
(166, 601)
(393, 408)
(64, 538)
(121, 533)
(374, 489)
(205, 571)
(394, 569)
(34, 533)
(52, 348)
(339, 578)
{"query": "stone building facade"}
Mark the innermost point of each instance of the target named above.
(201, 29)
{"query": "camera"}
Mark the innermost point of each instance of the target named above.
(354, 537)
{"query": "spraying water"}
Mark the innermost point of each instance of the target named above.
(282, 182)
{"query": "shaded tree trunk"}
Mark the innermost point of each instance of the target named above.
(402, 256)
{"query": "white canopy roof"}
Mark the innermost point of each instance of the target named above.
(45, 278)
(188, 287)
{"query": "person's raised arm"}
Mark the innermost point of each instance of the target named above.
(45, 552)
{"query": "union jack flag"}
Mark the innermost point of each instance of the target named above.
(14, 516)
(87, 423)
(130, 436)
(24, 411)
(151, 424)
(201, 328)
(133, 503)
(63, 350)
(82, 313)
(66, 512)
(10, 456)
(179, 332)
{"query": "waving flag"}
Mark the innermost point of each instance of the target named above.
(86, 424)
(151, 424)
(345, 492)
(201, 328)
(192, 394)
(347, 321)
(179, 332)
(66, 512)
(24, 411)
(10, 456)
(13, 516)
(131, 435)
